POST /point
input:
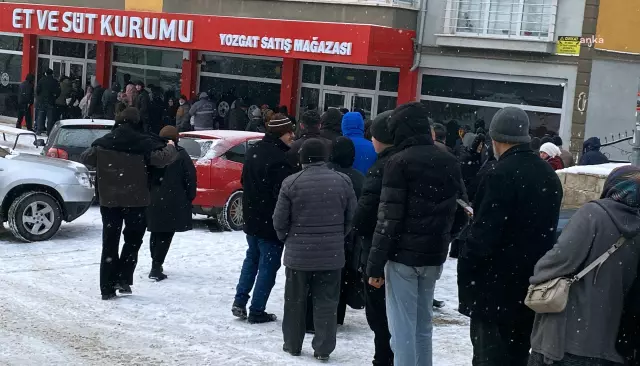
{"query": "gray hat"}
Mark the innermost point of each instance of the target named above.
(256, 113)
(510, 125)
(204, 95)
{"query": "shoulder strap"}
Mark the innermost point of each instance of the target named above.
(600, 260)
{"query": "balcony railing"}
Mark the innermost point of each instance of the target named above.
(512, 19)
(414, 4)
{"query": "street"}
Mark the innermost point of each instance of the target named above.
(51, 312)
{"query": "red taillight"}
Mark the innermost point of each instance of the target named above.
(58, 153)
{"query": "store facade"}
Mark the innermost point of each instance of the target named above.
(265, 61)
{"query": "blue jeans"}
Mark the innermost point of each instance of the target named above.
(409, 292)
(260, 267)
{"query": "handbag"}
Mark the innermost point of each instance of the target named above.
(552, 296)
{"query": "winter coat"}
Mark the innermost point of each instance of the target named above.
(132, 95)
(65, 92)
(238, 119)
(95, 104)
(25, 92)
(313, 216)
(589, 325)
(567, 158)
(172, 112)
(356, 178)
(204, 114)
(331, 121)
(47, 90)
(143, 103)
(591, 154)
(517, 207)
(122, 158)
(469, 164)
(364, 220)
(443, 147)
(265, 167)
(256, 124)
(353, 128)
(84, 105)
(183, 119)
(556, 163)
(157, 113)
(307, 133)
(418, 204)
(109, 101)
(173, 188)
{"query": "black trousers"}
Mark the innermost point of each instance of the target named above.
(45, 118)
(24, 111)
(324, 287)
(501, 344)
(116, 268)
(376, 312)
(159, 245)
(342, 306)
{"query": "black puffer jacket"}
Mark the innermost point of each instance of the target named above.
(47, 90)
(265, 167)
(418, 202)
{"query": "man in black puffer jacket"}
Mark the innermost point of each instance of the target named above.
(420, 186)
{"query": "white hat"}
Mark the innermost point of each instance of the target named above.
(551, 149)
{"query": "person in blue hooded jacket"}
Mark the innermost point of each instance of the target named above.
(591, 154)
(353, 128)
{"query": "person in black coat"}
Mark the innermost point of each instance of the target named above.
(173, 188)
(517, 207)
(96, 109)
(331, 122)
(591, 154)
(309, 128)
(47, 91)
(143, 102)
(471, 159)
(109, 101)
(157, 111)
(25, 101)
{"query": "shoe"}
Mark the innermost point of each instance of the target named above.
(109, 296)
(239, 311)
(292, 353)
(320, 357)
(438, 304)
(261, 317)
(156, 274)
(124, 289)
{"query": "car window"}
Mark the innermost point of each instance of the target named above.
(198, 148)
(236, 153)
(252, 142)
(3, 152)
(79, 136)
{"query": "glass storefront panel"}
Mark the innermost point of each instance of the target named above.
(11, 43)
(541, 95)
(220, 64)
(351, 78)
(129, 55)
(169, 82)
(91, 51)
(386, 103)
(309, 97)
(465, 114)
(69, 49)
(253, 92)
(12, 65)
(389, 81)
(44, 46)
(164, 58)
(311, 74)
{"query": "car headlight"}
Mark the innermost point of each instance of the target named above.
(83, 179)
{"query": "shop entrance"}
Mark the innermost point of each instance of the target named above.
(348, 100)
(73, 69)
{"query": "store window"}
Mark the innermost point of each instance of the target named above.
(468, 101)
(227, 78)
(74, 59)
(10, 70)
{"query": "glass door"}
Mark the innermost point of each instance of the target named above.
(363, 102)
(59, 68)
(334, 99)
(75, 71)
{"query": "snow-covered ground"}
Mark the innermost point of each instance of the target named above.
(51, 312)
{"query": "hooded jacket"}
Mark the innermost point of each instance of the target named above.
(237, 117)
(341, 160)
(591, 154)
(65, 92)
(109, 101)
(353, 128)
(204, 113)
(95, 104)
(47, 90)
(589, 325)
(331, 121)
(25, 93)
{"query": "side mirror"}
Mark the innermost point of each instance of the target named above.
(40, 143)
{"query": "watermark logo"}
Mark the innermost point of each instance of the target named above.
(590, 41)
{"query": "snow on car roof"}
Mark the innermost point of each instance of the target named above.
(85, 122)
(602, 169)
(222, 134)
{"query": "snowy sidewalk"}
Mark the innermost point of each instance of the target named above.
(51, 312)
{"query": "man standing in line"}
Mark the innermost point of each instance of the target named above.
(310, 127)
(47, 91)
(517, 207)
(25, 101)
(142, 102)
(265, 167)
(353, 128)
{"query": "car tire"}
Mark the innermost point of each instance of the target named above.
(231, 216)
(35, 216)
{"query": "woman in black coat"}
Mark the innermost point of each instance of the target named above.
(172, 191)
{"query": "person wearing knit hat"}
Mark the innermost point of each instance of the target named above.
(265, 167)
(551, 154)
(516, 211)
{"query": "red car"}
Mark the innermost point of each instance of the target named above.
(218, 156)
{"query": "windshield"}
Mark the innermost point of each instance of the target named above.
(80, 136)
(201, 148)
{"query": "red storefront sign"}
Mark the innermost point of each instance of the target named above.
(333, 42)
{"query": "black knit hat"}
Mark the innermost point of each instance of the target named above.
(343, 152)
(313, 151)
(380, 128)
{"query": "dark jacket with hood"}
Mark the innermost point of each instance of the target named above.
(95, 104)
(265, 167)
(341, 160)
(331, 121)
(25, 92)
(143, 103)
(157, 112)
(47, 90)
(308, 132)
(517, 207)
(420, 186)
(591, 154)
(109, 101)
(237, 117)
(172, 191)
(353, 128)
(65, 92)
(122, 159)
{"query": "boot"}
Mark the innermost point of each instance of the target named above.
(109, 296)
(261, 317)
(239, 311)
(124, 288)
(157, 273)
(320, 357)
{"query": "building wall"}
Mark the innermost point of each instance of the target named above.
(618, 25)
(612, 103)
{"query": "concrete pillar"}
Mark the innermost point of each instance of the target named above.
(29, 55)
(189, 79)
(103, 63)
(290, 82)
(407, 85)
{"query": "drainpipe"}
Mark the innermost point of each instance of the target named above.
(635, 143)
(422, 17)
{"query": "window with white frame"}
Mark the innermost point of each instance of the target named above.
(533, 19)
(10, 69)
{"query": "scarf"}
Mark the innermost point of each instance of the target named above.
(623, 185)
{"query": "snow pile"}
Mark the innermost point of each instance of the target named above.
(582, 184)
(602, 169)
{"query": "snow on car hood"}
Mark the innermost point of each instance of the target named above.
(44, 161)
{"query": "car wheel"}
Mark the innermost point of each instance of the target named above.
(35, 216)
(231, 216)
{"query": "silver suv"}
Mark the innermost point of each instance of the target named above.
(37, 193)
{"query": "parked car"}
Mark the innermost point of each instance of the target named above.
(37, 193)
(219, 156)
